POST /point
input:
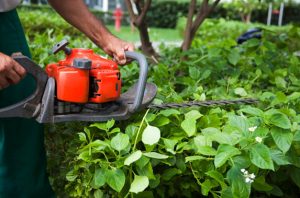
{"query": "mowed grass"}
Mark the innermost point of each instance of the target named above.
(156, 34)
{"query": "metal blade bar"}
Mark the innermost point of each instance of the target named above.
(207, 103)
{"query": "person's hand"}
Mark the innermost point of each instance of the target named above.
(10, 71)
(116, 47)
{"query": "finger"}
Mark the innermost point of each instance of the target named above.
(3, 82)
(19, 69)
(13, 76)
(129, 47)
(120, 56)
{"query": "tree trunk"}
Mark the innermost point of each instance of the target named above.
(146, 47)
(248, 18)
(139, 21)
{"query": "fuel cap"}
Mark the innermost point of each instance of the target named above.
(82, 63)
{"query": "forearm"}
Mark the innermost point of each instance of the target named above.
(77, 14)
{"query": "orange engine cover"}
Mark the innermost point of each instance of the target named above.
(99, 84)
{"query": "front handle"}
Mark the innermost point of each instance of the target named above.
(141, 84)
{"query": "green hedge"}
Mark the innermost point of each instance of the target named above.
(166, 14)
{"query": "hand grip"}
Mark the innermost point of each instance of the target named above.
(28, 107)
(140, 88)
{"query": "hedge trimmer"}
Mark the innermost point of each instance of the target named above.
(87, 87)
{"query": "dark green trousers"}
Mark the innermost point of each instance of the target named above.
(22, 153)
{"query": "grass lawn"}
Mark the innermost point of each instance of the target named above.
(156, 34)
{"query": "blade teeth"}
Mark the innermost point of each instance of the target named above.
(204, 103)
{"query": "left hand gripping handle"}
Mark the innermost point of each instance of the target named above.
(30, 106)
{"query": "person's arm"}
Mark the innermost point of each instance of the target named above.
(10, 71)
(77, 14)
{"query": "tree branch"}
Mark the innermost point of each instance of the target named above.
(189, 24)
(130, 11)
(204, 11)
(144, 11)
(190, 15)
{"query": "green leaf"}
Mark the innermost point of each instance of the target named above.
(71, 176)
(170, 173)
(169, 112)
(225, 152)
(142, 162)
(98, 194)
(99, 178)
(97, 145)
(131, 130)
(115, 130)
(240, 91)
(193, 115)
(206, 150)
(280, 120)
(133, 157)
(253, 42)
(283, 138)
(297, 136)
(194, 73)
(205, 74)
(253, 111)
(161, 121)
(147, 171)
(279, 158)
(241, 160)
(101, 126)
(206, 186)
(189, 126)
(139, 184)
(82, 137)
(234, 56)
(170, 145)
(110, 124)
(239, 122)
(280, 82)
(194, 158)
(239, 187)
(85, 156)
(260, 132)
(201, 140)
(150, 117)
(155, 155)
(294, 96)
(120, 141)
(260, 184)
(151, 135)
(260, 156)
(218, 177)
(115, 179)
(215, 134)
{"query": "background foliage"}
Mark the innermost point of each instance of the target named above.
(233, 151)
(165, 14)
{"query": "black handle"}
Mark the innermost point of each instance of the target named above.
(62, 45)
(140, 88)
(30, 106)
